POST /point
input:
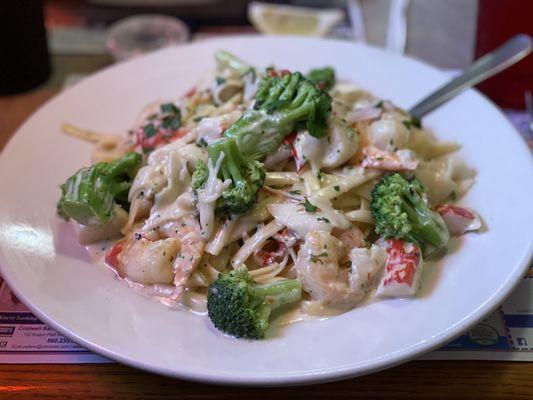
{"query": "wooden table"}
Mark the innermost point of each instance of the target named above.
(414, 380)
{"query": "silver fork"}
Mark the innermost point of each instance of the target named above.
(490, 64)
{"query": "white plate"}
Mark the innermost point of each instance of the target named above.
(52, 274)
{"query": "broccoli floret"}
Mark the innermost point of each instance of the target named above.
(90, 195)
(246, 175)
(400, 211)
(324, 78)
(240, 307)
(200, 175)
(281, 105)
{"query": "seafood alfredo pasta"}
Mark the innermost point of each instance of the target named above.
(262, 188)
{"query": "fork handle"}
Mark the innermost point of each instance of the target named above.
(490, 64)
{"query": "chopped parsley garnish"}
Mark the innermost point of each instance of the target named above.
(347, 264)
(202, 142)
(175, 124)
(149, 130)
(172, 122)
(316, 257)
(295, 192)
(171, 117)
(453, 195)
(309, 207)
(319, 175)
(198, 119)
(417, 123)
(379, 104)
(324, 219)
(220, 80)
(337, 188)
(412, 123)
(170, 108)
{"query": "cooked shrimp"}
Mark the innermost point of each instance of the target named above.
(323, 277)
(146, 261)
(389, 132)
(350, 238)
(192, 248)
(166, 176)
(337, 274)
(329, 152)
(399, 160)
(168, 254)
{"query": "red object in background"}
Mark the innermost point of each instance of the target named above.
(498, 21)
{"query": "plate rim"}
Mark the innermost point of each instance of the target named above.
(293, 379)
(306, 378)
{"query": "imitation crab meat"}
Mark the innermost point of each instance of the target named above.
(459, 220)
(403, 269)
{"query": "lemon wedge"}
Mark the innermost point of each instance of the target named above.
(274, 19)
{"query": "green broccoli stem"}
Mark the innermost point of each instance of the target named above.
(234, 162)
(428, 225)
(258, 133)
(273, 296)
(246, 176)
(298, 111)
(291, 88)
(273, 128)
(126, 166)
(279, 293)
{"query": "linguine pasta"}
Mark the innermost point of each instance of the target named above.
(312, 218)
